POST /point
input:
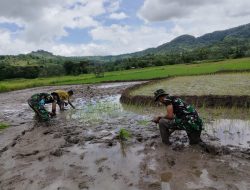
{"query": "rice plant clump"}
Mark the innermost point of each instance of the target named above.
(3, 126)
(124, 134)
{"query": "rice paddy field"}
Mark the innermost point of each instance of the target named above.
(131, 75)
(234, 84)
(103, 144)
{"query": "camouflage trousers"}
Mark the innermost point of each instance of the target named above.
(39, 109)
(168, 126)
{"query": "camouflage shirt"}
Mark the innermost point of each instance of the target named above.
(37, 102)
(42, 98)
(186, 117)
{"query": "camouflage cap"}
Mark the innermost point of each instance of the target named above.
(158, 93)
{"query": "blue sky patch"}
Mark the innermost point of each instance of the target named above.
(76, 36)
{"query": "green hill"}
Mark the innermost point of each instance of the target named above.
(42, 53)
(230, 38)
(189, 43)
(227, 44)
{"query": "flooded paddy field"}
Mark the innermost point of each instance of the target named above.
(82, 149)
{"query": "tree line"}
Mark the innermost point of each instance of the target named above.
(8, 71)
(33, 67)
(198, 55)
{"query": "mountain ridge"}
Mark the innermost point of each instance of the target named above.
(242, 31)
(181, 43)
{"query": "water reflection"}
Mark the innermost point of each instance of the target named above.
(230, 131)
(165, 180)
(205, 181)
(113, 85)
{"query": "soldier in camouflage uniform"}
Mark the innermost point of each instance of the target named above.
(38, 101)
(180, 116)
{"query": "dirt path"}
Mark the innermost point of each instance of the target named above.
(79, 149)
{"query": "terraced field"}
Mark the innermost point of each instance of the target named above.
(234, 84)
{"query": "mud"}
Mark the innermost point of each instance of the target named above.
(80, 149)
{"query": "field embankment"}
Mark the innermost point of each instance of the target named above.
(132, 75)
(214, 90)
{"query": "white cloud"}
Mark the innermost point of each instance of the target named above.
(160, 10)
(118, 16)
(9, 46)
(124, 39)
(24, 9)
(45, 21)
(112, 40)
(197, 17)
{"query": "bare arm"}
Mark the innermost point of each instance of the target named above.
(71, 104)
(169, 115)
(170, 112)
(54, 108)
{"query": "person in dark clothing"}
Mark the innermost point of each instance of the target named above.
(38, 101)
(180, 116)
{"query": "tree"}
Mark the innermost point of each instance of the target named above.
(68, 67)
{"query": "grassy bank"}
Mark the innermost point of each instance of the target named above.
(129, 75)
(232, 84)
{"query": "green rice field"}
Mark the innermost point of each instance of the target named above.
(131, 75)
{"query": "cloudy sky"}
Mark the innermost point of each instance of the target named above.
(110, 27)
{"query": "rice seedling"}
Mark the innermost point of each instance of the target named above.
(3, 126)
(124, 134)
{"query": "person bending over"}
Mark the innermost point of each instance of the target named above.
(37, 103)
(64, 98)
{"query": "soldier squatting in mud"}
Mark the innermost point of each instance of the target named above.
(180, 116)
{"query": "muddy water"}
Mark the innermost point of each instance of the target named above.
(114, 85)
(124, 165)
(80, 149)
(104, 109)
(233, 132)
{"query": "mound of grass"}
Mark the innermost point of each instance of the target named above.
(3, 126)
(129, 75)
(214, 84)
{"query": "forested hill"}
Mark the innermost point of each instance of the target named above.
(219, 45)
(189, 43)
(234, 37)
(231, 43)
